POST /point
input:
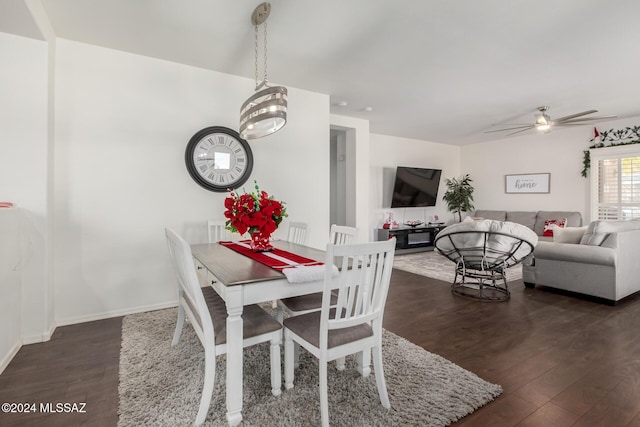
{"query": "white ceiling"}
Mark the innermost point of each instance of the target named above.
(434, 70)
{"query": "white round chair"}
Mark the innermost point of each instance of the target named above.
(482, 250)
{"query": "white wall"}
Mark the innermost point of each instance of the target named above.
(388, 152)
(559, 152)
(24, 168)
(10, 286)
(123, 123)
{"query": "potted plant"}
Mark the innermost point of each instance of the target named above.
(459, 195)
(256, 212)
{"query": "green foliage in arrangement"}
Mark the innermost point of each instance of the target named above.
(626, 136)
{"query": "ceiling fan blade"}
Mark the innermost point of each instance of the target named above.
(568, 124)
(521, 130)
(505, 129)
(573, 116)
(587, 119)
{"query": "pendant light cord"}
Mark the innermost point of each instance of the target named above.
(264, 80)
(265, 52)
(256, 52)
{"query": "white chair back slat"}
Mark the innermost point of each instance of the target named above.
(342, 235)
(216, 231)
(297, 232)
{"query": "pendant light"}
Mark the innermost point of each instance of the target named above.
(265, 112)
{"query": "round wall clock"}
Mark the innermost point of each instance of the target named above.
(218, 159)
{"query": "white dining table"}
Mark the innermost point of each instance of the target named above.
(241, 281)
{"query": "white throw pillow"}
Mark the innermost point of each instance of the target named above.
(569, 234)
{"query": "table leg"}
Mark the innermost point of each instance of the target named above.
(234, 354)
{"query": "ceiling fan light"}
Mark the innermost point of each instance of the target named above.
(543, 127)
(542, 119)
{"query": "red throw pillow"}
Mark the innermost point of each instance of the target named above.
(550, 224)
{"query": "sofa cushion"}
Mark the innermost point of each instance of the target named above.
(599, 230)
(525, 218)
(574, 219)
(495, 215)
(580, 254)
(569, 234)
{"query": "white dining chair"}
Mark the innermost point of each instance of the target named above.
(355, 324)
(207, 313)
(297, 233)
(312, 302)
(302, 304)
(342, 234)
(216, 230)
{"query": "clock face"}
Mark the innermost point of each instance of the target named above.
(218, 159)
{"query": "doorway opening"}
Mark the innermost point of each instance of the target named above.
(342, 177)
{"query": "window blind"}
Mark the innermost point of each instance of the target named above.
(617, 186)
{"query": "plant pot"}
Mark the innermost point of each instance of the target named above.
(261, 242)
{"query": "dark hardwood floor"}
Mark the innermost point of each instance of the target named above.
(562, 360)
(78, 365)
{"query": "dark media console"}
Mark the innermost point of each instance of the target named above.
(411, 239)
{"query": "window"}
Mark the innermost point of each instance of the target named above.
(615, 183)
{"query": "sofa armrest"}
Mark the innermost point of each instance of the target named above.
(575, 253)
(628, 270)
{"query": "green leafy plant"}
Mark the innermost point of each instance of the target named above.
(586, 161)
(459, 195)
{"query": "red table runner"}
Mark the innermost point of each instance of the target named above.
(276, 259)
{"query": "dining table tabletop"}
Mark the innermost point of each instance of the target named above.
(241, 280)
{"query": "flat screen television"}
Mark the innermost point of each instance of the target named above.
(415, 187)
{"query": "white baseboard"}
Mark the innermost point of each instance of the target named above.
(116, 313)
(45, 336)
(9, 356)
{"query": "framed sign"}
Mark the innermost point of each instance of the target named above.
(527, 183)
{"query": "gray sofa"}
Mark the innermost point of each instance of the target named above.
(532, 219)
(602, 263)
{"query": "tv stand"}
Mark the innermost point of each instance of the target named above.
(411, 239)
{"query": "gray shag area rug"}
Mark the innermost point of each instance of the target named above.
(436, 266)
(161, 385)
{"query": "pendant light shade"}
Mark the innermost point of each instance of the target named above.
(265, 112)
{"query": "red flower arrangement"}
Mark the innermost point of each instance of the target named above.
(255, 212)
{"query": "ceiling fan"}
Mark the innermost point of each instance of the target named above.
(544, 122)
